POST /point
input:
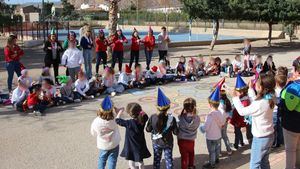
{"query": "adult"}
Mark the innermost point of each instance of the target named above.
(87, 44)
(12, 53)
(289, 110)
(118, 49)
(71, 38)
(83, 29)
(101, 48)
(149, 43)
(163, 44)
(53, 49)
(135, 48)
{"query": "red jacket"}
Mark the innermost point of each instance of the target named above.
(149, 42)
(117, 44)
(237, 120)
(9, 52)
(101, 46)
(32, 99)
(135, 46)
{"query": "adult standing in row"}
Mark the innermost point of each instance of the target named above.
(53, 48)
(12, 53)
(118, 49)
(71, 39)
(135, 48)
(87, 44)
(149, 43)
(101, 48)
(163, 44)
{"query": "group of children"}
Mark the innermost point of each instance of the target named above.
(254, 107)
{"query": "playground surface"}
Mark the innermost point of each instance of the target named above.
(62, 140)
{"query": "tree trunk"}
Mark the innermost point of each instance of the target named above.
(216, 26)
(112, 22)
(270, 33)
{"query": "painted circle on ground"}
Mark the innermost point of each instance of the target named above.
(147, 99)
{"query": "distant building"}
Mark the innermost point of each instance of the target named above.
(29, 13)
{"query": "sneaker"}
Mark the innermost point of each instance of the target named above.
(113, 94)
(207, 165)
(77, 100)
(92, 96)
(236, 146)
(242, 144)
(37, 113)
(229, 152)
(217, 161)
(64, 102)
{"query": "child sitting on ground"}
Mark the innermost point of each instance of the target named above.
(214, 67)
(49, 93)
(105, 128)
(34, 101)
(110, 83)
(45, 75)
(226, 68)
(163, 76)
(191, 72)
(138, 78)
(209, 65)
(96, 88)
(125, 78)
(188, 125)
(82, 86)
(269, 65)
(151, 76)
(67, 90)
(258, 67)
(212, 129)
(200, 66)
(180, 68)
(237, 64)
(25, 79)
(135, 148)
(19, 95)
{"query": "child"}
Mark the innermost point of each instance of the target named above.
(261, 110)
(188, 124)
(151, 76)
(25, 79)
(106, 129)
(109, 82)
(72, 59)
(269, 65)
(19, 95)
(191, 72)
(45, 75)
(135, 48)
(125, 78)
(200, 66)
(226, 68)
(212, 129)
(162, 75)
(135, 147)
(258, 67)
(67, 90)
(161, 126)
(138, 78)
(96, 87)
(237, 64)
(282, 71)
(280, 84)
(237, 120)
(82, 86)
(34, 102)
(180, 68)
(49, 93)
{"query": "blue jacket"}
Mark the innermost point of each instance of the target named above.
(85, 43)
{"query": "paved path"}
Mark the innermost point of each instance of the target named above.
(61, 139)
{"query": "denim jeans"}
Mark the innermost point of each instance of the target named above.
(117, 56)
(292, 149)
(225, 137)
(87, 55)
(73, 73)
(168, 151)
(260, 150)
(148, 55)
(12, 67)
(101, 56)
(213, 147)
(111, 156)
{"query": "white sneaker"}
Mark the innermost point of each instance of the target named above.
(113, 94)
(77, 100)
(92, 96)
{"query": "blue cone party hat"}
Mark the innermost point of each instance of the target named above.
(106, 105)
(52, 31)
(215, 96)
(163, 102)
(240, 84)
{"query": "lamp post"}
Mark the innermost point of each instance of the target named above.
(137, 12)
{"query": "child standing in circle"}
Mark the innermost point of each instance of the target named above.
(188, 125)
(108, 137)
(162, 125)
(135, 147)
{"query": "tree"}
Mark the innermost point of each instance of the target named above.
(47, 9)
(208, 9)
(68, 9)
(113, 16)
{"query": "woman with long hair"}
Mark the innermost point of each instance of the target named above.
(118, 49)
(101, 48)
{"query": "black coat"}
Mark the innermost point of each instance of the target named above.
(135, 147)
(48, 57)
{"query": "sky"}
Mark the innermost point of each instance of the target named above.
(27, 1)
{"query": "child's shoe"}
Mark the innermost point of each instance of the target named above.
(229, 153)
(37, 113)
(113, 94)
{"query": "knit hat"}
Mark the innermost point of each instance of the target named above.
(72, 33)
(163, 102)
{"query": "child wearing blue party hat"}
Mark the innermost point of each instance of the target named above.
(237, 120)
(162, 125)
(106, 129)
(212, 129)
